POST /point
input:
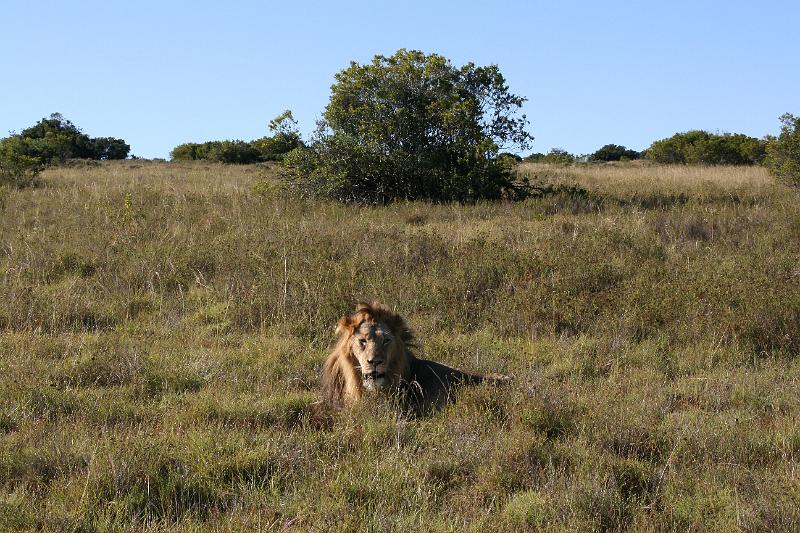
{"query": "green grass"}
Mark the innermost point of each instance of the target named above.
(162, 327)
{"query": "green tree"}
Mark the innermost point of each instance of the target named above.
(702, 147)
(239, 152)
(17, 170)
(558, 156)
(412, 126)
(509, 159)
(783, 151)
(285, 138)
(614, 152)
(55, 139)
(189, 152)
(536, 157)
(105, 148)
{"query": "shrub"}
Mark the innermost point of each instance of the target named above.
(702, 147)
(783, 151)
(276, 147)
(558, 156)
(210, 151)
(508, 159)
(535, 157)
(105, 148)
(18, 170)
(412, 126)
(285, 139)
(614, 152)
(56, 139)
(238, 152)
(189, 152)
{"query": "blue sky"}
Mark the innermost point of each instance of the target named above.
(162, 73)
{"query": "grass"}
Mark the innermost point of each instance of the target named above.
(163, 326)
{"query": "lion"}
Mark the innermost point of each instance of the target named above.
(374, 352)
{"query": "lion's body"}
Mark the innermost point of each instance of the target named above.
(374, 351)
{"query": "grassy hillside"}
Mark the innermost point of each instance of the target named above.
(162, 327)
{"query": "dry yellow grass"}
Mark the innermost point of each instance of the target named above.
(171, 178)
(642, 176)
(162, 328)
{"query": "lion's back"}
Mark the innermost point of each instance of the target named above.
(432, 385)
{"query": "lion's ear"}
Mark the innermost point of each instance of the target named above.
(345, 325)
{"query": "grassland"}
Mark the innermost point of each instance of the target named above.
(162, 326)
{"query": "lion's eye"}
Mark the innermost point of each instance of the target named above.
(362, 342)
(386, 341)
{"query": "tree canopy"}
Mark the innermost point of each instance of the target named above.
(614, 152)
(411, 126)
(56, 139)
(702, 147)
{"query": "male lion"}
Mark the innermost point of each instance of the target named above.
(373, 353)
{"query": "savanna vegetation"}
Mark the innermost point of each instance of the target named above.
(55, 140)
(285, 138)
(614, 152)
(556, 156)
(163, 325)
(699, 147)
(783, 151)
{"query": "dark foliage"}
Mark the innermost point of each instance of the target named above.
(614, 152)
(702, 147)
(56, 139)
(105, 148)
(285, 138)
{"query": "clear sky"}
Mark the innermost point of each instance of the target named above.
(158, 74)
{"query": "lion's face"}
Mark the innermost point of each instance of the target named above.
(376, 349)
(372, 353)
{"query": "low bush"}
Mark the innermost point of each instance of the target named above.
(285, 138)
(614, 152)
(18, 170)
(56, 139)
(783, 151)
(702, 147)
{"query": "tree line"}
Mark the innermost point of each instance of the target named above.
(407, 126)
(285, 138)
(695, 147)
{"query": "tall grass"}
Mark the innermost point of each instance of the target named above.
(642, 175)
(163, 326)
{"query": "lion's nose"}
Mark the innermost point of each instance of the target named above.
(374, 361)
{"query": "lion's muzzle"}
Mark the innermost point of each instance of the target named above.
(374, 380)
